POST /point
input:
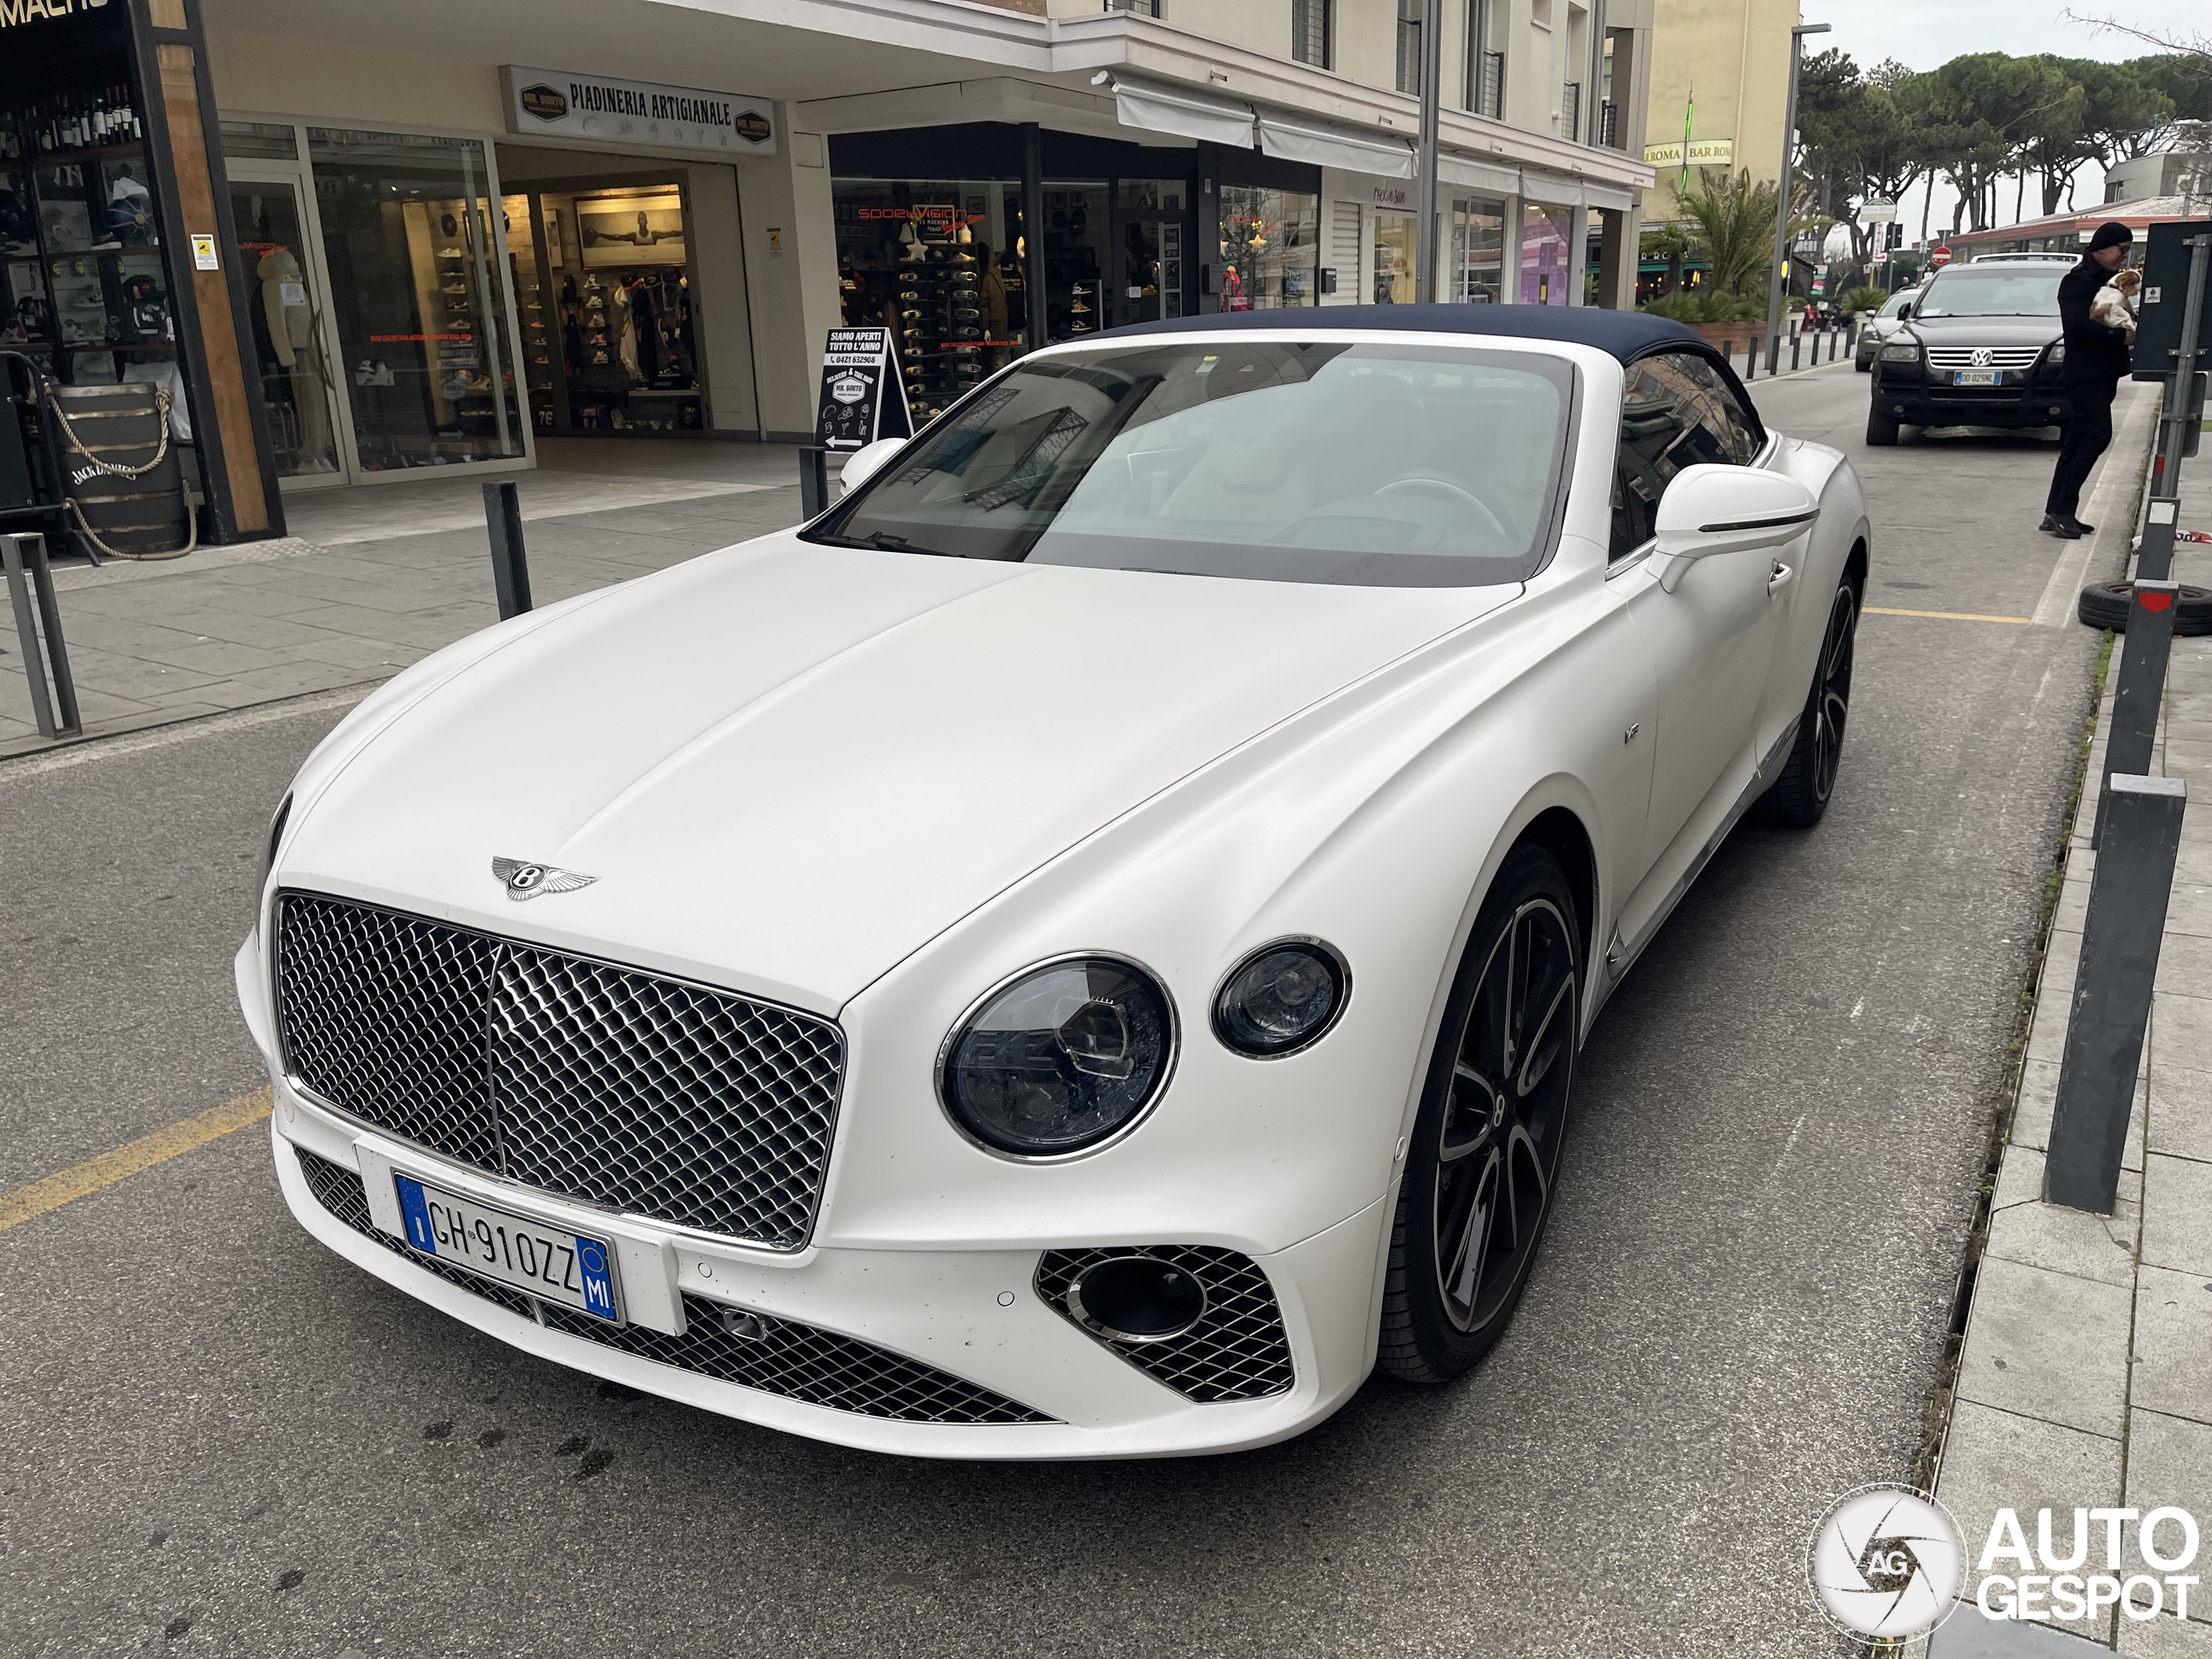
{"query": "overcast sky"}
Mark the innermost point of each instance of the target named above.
(1929, 32)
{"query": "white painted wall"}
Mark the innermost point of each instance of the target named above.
(785, 202)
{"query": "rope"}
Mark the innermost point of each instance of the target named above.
(161, 450)
(191, 536)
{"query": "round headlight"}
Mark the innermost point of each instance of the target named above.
(1281, 998)
(1060, 1058)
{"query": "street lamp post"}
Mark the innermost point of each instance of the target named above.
(1782, 193)
(1425, 228)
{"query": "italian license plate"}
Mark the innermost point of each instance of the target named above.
(1978, 377)
(568, 1268)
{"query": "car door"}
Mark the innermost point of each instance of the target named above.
(1713, 639)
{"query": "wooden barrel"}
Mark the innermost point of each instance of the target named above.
(126, 490)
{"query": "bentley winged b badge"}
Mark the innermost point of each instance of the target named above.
(526, 881)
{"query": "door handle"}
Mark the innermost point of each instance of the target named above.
(1780, 579)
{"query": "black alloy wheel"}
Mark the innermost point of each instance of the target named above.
(1483, 1158)
(1801, 794)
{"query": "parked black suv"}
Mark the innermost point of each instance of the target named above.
(1979, 347)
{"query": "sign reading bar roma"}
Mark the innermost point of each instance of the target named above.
(1703, 152)
(606, 111)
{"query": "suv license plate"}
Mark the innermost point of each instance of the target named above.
(570, 1269)
(1978, 377)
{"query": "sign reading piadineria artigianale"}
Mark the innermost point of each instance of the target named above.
(606, 111)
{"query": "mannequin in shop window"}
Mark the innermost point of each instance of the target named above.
(292, 338)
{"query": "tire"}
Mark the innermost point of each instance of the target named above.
(1881, 429)
(1800, 796)
(1484, 1160)
(1864, 365)
(2104, 605)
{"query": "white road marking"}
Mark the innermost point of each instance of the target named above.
(2117, 475)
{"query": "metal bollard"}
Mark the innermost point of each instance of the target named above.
(23, 555)
(1797, 342)
(1750, 361)
(2112, 991)
(510, 568)
(813, 483)
(2141, 682)
(1774, 354)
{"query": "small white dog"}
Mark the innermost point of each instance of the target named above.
(2114, 304)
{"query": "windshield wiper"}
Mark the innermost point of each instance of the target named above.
(885, 542)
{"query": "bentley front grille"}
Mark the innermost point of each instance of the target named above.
(1238, 1350)
(771, 1356)
(630, 1091)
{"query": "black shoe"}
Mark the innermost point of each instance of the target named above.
(2079, 528)
(2061, 526)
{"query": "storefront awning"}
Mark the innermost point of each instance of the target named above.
(1336, 147)
(1550, 188)
(1477, 175)
(1611, 196)
(1155, 109)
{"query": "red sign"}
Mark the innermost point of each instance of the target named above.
(1939, 257)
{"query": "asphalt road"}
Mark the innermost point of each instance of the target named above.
(221, 1439)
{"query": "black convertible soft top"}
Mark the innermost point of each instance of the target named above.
(1624, 334)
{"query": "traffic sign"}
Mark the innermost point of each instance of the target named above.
(1940, 257)
(1876, 211)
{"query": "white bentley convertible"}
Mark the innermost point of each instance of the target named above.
(1081, 950)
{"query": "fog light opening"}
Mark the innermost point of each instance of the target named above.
(1138, 1299)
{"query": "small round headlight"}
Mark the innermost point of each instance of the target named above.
(1060, 1058)
(1280, 999)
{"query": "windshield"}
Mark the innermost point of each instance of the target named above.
(1993, 291)
(1376, 465)
(1897, 301)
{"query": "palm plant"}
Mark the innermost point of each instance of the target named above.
(1733, 221)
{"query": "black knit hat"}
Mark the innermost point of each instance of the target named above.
(2111, 233)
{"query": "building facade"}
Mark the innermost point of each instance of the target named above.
(1719, 86)
(437, 231)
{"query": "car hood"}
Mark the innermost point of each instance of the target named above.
(788, 765)
(1985, 331)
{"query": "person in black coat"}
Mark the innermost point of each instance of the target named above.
(2096, 358)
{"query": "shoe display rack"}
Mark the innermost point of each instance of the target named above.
(937, 315)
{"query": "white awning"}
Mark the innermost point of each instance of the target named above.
(1550, 188)
(1184, 115)
(1616, 196)
(1478, 175)
(1336, 147)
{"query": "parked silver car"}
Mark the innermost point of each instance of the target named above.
(1878, 329)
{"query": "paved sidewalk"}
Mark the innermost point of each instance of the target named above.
(2086, 1376)
(377, 577)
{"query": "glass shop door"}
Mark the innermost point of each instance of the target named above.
(284, 301)
(1152, 234)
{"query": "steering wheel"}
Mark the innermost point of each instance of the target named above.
(1450, 492)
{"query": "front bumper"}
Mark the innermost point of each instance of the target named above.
(969, 1317)
(1920, 397)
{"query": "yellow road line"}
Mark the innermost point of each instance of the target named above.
(1942, 616)
(127, 1160)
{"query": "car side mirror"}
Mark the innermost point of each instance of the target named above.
(1904, 312)
(1709, 509)
(868, 461)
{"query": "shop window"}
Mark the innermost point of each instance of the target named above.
(260, 141)
(603, 288)
(418, 298)
(1478, 251)
(1550, 258)
(940, 263)
(1154, 224)
(1395, 258)
(1270, 247)
(82, 288)
(296, 382)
